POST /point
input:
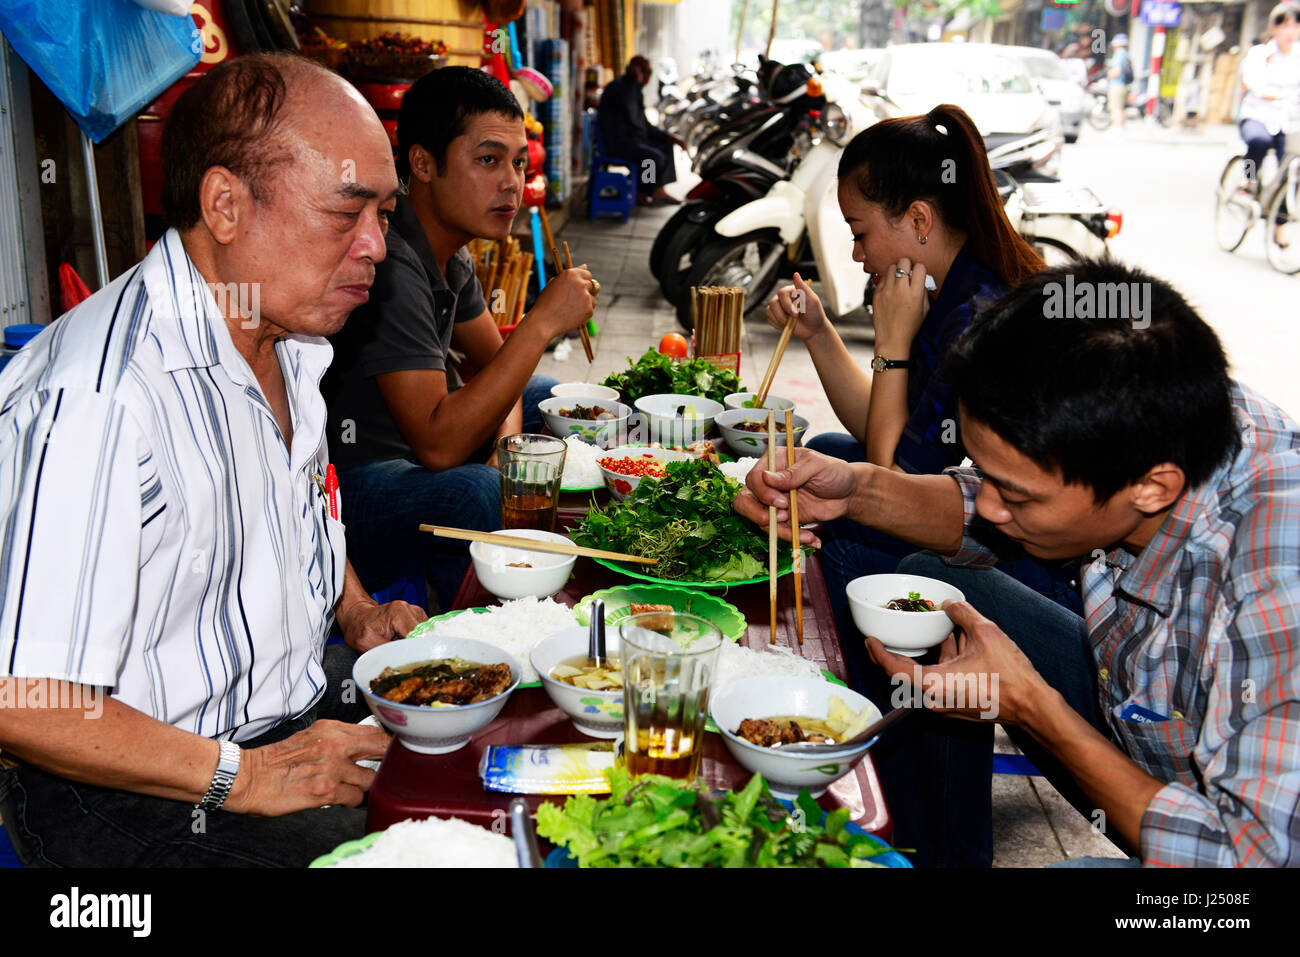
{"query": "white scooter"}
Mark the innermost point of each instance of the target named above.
(801, 218)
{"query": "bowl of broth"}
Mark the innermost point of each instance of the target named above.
(591, 697)
(904, 611)
(511, 572)
(774, 702)
(414, 688)
(746, 430)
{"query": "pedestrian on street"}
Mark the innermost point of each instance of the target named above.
(1120, 72)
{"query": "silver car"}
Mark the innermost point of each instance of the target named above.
(1062, 88)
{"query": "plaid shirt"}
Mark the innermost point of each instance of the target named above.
(1203, 627)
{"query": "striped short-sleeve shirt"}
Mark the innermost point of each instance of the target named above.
(157, 535)
(1203, 628)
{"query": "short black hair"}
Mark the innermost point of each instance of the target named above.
(1076, 373)
(232, 117)
(436, 108)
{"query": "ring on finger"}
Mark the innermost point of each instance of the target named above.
(595, 287)
(899, 273)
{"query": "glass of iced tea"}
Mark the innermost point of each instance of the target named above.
(530, 467)
(668, 663)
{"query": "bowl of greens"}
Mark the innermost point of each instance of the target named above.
(749, 400)
(686, 522)
(677, 418)
(746, 431)
(655, 821)
(657, 374)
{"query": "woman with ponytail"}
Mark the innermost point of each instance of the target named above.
(920, 199)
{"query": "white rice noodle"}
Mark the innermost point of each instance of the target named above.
(580, 469)
(436, 842)
(736, 661)
(514, 627)
(738, 469)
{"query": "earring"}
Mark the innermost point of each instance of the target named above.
(922, 239)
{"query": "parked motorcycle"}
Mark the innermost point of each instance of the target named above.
(799, 225)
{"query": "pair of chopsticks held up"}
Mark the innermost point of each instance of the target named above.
(796, 556)
(568, 258)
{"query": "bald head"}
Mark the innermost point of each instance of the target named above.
(255, 116)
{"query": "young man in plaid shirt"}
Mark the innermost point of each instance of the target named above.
(1171, 710)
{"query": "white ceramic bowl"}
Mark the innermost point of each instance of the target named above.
(424, 729)
(604, 432)
(776, 403)
(620, 485)
(597, 713)
(908, 633)
(668, 427)
(746, 444)
(547, 575)
(787, 772)
(588, 389)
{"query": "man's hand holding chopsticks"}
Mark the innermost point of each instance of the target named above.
(566, 303)
(826, 486)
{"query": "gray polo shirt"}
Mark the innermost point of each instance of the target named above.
(406, 325)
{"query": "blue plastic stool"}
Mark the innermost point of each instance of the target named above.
(410, 589)
(1014, 764)
(610, 189)
(8, 857)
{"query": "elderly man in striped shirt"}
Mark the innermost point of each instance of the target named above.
(1170, 712)
(169, 568)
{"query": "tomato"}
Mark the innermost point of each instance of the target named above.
(674, 344)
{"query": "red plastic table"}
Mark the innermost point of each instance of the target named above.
(420, 785)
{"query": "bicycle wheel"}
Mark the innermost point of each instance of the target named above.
(1284, 217)
(1234, 211)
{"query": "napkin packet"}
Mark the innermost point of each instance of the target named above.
(548, 768)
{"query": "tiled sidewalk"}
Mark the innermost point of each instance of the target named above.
(1033, 826)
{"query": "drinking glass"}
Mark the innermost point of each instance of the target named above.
(530, 467)
(669, 659)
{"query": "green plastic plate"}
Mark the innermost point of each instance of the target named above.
(346, 849)
(782, 569)
(709, 607)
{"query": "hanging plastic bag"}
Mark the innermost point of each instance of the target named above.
(173, 8)
(105, 61)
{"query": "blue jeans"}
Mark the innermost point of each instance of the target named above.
(936, 772)
(54, 822)
(850, 550)
(1258, 142)
(385, 503)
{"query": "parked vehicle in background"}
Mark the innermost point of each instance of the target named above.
(988, 82)
(853, 65)
(1059, 84)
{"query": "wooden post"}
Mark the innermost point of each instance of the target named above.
(771, 34)
(740, 33)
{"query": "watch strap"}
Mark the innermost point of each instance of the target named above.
(223, 778)
(880, 363)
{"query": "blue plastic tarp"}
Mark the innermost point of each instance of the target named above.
(104, 59)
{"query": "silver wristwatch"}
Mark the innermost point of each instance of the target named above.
(223, 778)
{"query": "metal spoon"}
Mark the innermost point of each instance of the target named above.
(898, 714)
(596, 635)
(521, 829)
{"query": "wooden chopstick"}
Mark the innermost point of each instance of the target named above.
(776, 360)
(771, 525)
(582, 329)
(533, 545)
(796, 556)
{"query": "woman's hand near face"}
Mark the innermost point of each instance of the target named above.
(898, 308)
(797, 300)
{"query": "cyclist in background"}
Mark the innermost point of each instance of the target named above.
(1270, 79)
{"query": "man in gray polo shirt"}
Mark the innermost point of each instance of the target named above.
(411, 443)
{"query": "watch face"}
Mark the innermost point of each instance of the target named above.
(877, 364)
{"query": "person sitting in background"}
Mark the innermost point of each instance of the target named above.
(411, 443)
(628, 135)
(921, 203)
(1169, 713)
(169, 571)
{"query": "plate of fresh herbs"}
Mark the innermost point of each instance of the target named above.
(655, 821)
(685, 520)
(657, 374)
